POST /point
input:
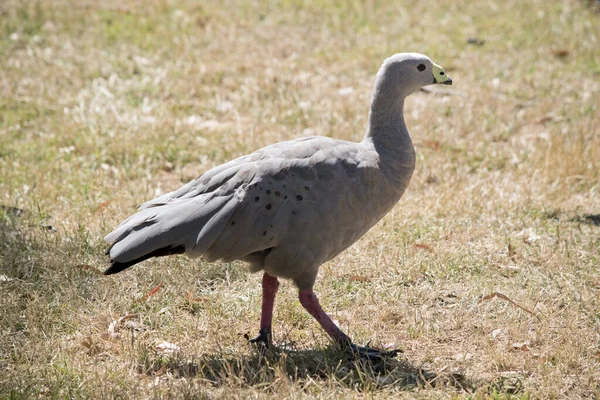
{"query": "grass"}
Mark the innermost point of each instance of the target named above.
(106, 104)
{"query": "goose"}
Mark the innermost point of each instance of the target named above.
(289, 207)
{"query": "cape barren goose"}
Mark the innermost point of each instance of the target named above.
(288, 208)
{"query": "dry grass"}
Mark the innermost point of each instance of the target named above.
(106, 104)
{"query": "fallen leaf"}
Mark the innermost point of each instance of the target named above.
(497, 332)
(511, 267)
(561, 53)
(504, 297)
(115, 325)
(90, 345)
(521, 346)
(150, 293)
(102, 206)
(423, 246)
(167, 347)
(511, 250)
(4, 278)
(432, 144)
(161, 371)
(358, 278)
(87, 342)
(110, 337)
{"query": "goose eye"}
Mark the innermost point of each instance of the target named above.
(421, 67)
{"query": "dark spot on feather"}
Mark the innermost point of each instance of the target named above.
(306, 187)
(284, 186)
(265, 233)
(268, 206)
(256, 198)
(268, 191)
(285, 197)
(293, 212)
(232, 223)
(299, 198)
(277, 193)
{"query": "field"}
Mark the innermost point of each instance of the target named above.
(486, 274)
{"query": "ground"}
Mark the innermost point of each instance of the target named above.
(486, 274)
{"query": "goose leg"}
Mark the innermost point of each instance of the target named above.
(310, 302)
(270, 285)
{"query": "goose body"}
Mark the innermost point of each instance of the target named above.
(288, 208)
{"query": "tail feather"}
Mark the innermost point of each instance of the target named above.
(184, 226)
(116, 266)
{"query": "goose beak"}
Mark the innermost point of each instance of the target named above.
(440, 76)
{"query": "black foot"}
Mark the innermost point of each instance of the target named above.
(370, 354)
(264, 336)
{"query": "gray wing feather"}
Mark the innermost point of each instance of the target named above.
(233, 210)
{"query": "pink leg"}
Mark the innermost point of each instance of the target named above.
(270, 285)
(310, 302)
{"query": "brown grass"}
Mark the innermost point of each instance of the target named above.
(105, 104)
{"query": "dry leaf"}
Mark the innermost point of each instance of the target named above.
(511, 267)
(161, 371)
(423, 246)
(87, 342)
(504, 297)
(511, 250)
(115, 325)
(497, 332)
(432, 144)
(110, 337)
(150, 293)
(521, 346)
(358, 278)
(4, 278)
(102, 206)
(561, 53)
(167, 347)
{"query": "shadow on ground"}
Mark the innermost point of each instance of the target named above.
(304, 365)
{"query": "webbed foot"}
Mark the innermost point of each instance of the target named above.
(264, 336)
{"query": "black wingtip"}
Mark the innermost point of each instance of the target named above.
(116, 267)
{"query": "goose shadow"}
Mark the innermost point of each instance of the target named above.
(325, 364)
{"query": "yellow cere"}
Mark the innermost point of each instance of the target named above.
(439, 73)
